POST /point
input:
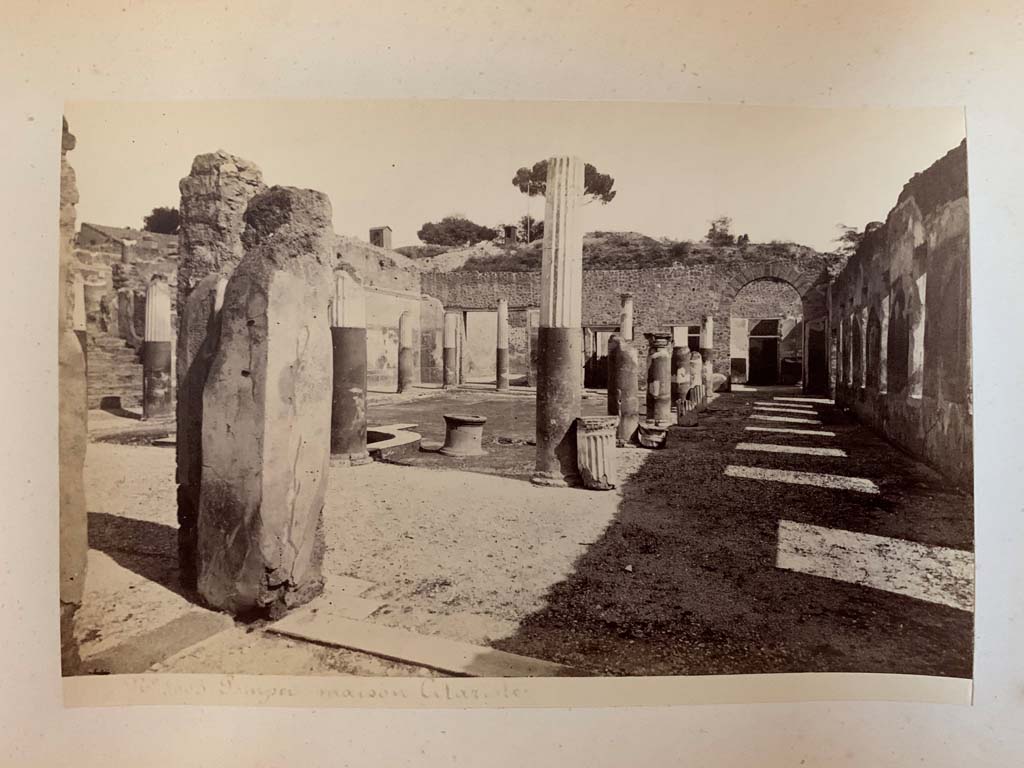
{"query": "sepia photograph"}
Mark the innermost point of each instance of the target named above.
(514, 389)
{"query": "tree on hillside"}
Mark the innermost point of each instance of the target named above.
(532, 228)
(596, 185)
(455, 230)
(719, 233)
(848, 240)
(163, 220)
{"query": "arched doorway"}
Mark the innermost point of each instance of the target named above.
(766, 334)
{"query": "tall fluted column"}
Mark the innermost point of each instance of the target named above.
(406, 358)
(348, 392)
(559, 375)
(501, 376)
(157, 394)
(707, 353)
(451, 354)
(659, 378)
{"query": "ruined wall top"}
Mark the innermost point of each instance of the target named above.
(214, 197)
(68, 201)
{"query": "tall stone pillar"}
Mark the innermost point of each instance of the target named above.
(559, 338)
(501, 375)
(707, 353)
(451, 352)
(214, 197)
(157, 393)
(659, 378)
(628, 405)
(406, 356)
(348, 340)
(614, 341)
(267, 412)
(626, 318)
(680, 372)
(71, 425)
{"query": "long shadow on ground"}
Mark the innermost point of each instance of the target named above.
(684, 579)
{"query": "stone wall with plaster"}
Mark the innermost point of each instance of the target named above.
(901, 321)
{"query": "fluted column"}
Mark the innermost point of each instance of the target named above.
(451, 353)
(501, 376)
(157, 397)
(559, 375)
(697, 392)
(707, 352)
(348, 391)
(406, 358)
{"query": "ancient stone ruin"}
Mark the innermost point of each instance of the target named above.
(267, 412)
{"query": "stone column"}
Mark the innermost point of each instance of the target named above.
(501, 376)
(451, 350)
(659, 378)
(680, 372)
(348, 342)
(72, 427)
(707, 353)
(697, 379)
(78, 321)
(406, 356)
(559, 337)
(628, 405)
(267, 412)
(157, 395)
(626, 318)
(214, 197)
(612, 361)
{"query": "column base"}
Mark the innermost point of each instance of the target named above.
(351, 459)
(556, 480)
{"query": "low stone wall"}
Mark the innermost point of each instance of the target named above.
(901, 321)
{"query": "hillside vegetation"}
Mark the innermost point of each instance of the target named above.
(608, 250)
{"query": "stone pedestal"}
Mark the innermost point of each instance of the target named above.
(406, 357)
(451, 353)
(626, 391)
(267, 412)
(560, 336)
(595, 451)
(659, 378)
(463, 435)
(348, 387)
(157, 392)
(501, 375)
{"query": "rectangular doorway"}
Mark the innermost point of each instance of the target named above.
(764, 361)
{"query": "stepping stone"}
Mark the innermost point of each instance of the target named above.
(839, 482)
(412, 648)
(791, 419)
(936, 574)
(805, 450)
(816, 432)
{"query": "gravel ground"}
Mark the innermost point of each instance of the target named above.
(672, 573)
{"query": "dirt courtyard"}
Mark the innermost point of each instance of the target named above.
(674, 572)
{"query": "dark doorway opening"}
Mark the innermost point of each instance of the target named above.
(764, 361)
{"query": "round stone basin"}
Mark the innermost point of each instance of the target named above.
(463, 434)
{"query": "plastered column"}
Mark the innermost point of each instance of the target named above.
(659, 378)
(157, 393)
(707, 353)
(451, 350)
(559, 339)
(501, 376)
(406, 356)
(348, 387)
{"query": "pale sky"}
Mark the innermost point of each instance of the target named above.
(781, 173)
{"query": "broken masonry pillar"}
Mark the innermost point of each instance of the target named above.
(707, 353)
(697, 393)
(659, 378)
(214, 197)
(451, 354)
(348, 342)
(626, 391)
(198, 336)
(501, 376)
(406, 357)
(625, 333)
(560, 335)
(157, 393)
(267, 412)
(72, 427)
(680, 372)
